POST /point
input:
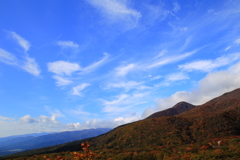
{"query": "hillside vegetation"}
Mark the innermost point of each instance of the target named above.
(208, 131)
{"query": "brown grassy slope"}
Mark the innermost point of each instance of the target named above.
(216, 118)
(177, 109)
(227, 101)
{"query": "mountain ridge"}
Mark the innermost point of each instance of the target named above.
(50, 139)
(219, 117)
(175, 110)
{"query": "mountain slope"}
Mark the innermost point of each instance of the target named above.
(177, 109)
(219, 117)
(227, 101)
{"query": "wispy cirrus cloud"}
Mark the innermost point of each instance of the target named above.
(20, 40)
(77, 90)
(95, 65)
(117, 12)
(171, 78)
(62, 81)
(61, 70)
(31, 66)
(28, 64)
(79, 111)
(128, 85)
(228, 47)
(176, 77)
(237, 41)
(63, 67)
(123, 103)
(160, 61)
(124, 70)
(65, 71)
(67, 44)
(176, 7)
(209, 65)
(212, 85)
(8, 58)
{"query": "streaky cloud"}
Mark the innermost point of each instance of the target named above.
(95, 65)
(8, 58)
(20, 40)
(77, 90)
(117, 11)
(170, 59)
(63, 67)
(67, 44)
(210, 65)
(28, 64)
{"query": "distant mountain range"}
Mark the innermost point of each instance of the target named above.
(181, 130)
(13, 139)
(18, 143)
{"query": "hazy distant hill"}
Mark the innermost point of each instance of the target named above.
(16, 137)
(217, 118)
(30, 142)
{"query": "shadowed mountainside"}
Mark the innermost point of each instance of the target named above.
(219, 117)
(177, 109)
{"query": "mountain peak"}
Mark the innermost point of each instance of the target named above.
(175, 110)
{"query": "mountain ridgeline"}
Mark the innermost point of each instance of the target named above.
(175, 110)
(182, 126)
(21, 143)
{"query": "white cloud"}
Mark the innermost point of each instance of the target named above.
(77, 90)
(228, 47)
(60, 81)
(156, 77)
(28, 64)
(99, 123)
(75, 126)
(176, 77)
(42, 118)
(64, 70)
(121, 120)
(209, 65)
(237, 41)
(28, 119)
(117, 12)
(170, 78)
(67, 44)
(123, 70)
(21, 41)
(123, 103)
(96, 64)
(8, 58)
(6, 118)
(119, 99)
(31, 66)
(176, 7)
(211, 86)
(167, 60)
(63, 67)
(79, 111)
(128, 85)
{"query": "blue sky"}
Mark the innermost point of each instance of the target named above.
(72, 65)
